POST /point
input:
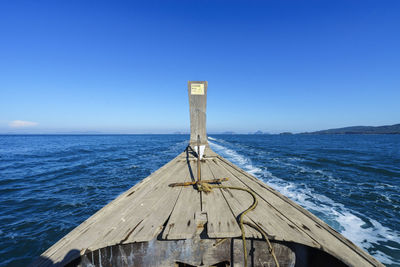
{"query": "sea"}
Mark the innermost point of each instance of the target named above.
(49, 184)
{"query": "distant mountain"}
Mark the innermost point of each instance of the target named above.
(258, 132)
(386, 129)
(228, 132)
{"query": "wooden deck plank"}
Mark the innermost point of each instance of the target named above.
(328, 239)
(153, 222)
(221, 222)
(263, 215)
(228, 195)
(209, 153)
(238, 201)
(182, 224)
(130, 219)
(82, 236)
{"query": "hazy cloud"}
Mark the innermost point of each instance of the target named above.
(21, 124)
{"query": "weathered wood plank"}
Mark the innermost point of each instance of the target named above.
(209, 153)
(131, 218)
(197, 104)
(152, 223)
(327, 238)
(221, 221)
(182, 224)
(264, 216)
(83, 235)
(238, 201)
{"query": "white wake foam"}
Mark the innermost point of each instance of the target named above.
(345, 221)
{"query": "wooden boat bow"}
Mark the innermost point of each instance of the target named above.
(156, 224)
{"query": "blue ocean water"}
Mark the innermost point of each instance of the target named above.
(49, 184)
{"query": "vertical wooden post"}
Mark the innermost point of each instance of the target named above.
(197, 104)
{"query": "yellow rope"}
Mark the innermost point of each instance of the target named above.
(270, 247)
(252, 207)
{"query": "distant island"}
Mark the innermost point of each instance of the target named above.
(259, 132)
(386, 129)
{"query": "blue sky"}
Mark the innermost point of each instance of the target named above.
(123, 66)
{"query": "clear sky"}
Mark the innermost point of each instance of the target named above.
(123, 66)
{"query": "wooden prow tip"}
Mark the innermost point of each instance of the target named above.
(197, 103)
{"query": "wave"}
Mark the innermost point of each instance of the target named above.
(216, 139)
(365, 232)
